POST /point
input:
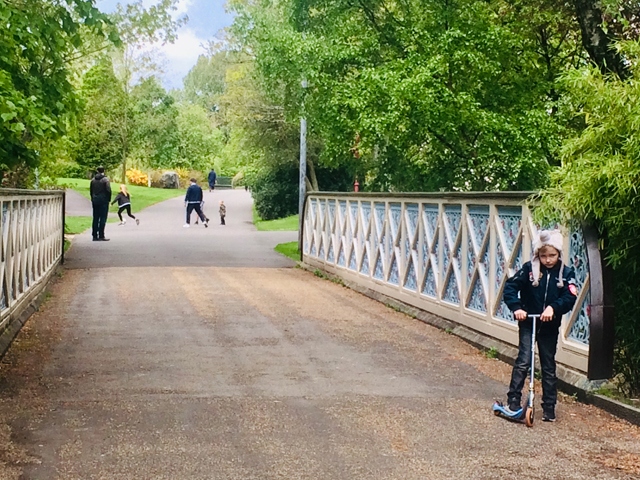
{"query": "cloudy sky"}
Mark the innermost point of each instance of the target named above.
(206, 18)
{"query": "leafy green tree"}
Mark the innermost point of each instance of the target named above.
(154, 139)
(598, 184)
(139, 28)
(429, 95)
(39, 40)
(100, 132)
(200, 144)
(206, 81)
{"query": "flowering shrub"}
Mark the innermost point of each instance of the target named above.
(137, 177)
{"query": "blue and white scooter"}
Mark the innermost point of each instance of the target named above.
(500, 409)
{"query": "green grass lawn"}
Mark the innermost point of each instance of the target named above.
(75, 225)
(141, 197)
(289, 249)
(289, 224)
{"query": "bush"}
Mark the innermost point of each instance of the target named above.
(137, 177)
(187, 174)
(71, 170)
(597, 184)
(275, 191)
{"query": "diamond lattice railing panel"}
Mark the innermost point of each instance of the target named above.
(477, 257)
(380, 226)
(508, 225)
(451, 250)
(580, 331)
(454, 253)
(430, 250)
(577, 258)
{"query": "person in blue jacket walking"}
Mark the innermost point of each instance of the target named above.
(212, 179)
(192, 201)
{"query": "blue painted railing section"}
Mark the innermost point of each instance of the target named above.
(579, 261)
(453, 253)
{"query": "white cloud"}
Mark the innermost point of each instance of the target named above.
(182, 6)
(181, 56)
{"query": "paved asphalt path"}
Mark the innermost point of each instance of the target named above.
(171, 353)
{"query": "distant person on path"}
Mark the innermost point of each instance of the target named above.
(124, 203)
(223, 212)
(212, 179)
(546, 287)
(100, 192)
(192, 201)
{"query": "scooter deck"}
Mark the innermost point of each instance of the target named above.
(501, 411)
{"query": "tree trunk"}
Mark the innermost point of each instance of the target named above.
(312, 174)
(594, 39)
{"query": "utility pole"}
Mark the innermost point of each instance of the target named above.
(303, 173)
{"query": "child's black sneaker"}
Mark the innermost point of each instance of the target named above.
(548, 414)
(514, 408)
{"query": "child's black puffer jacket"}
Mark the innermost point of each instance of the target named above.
(122, 199)
(534, 300)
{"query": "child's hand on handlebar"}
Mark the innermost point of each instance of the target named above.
(520, 315)
(547, 315)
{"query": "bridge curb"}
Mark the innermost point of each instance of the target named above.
(569, 381)
(27, 307)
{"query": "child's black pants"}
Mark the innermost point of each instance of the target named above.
(190, 208)
(122, 209)
(547, 340)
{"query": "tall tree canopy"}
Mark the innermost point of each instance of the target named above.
(38, 42)
(458, 95)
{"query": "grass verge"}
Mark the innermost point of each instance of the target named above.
(289, 249)
(76, 225)
(286, 224)
(141, 197)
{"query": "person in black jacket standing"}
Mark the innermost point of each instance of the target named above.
(100, 191)
(192, 201)
(543, 286)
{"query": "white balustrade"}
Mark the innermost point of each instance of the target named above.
(31, 244)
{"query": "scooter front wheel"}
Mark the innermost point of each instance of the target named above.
(528, 417)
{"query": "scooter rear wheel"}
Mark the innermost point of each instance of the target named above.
(528, 417)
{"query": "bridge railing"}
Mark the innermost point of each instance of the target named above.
(31, 246)
(451, 254)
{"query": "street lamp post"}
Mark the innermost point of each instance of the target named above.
(303, 174)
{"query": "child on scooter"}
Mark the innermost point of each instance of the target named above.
(543, 286)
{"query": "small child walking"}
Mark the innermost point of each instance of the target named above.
(223, 212)
(543, 286)
(124, 203)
